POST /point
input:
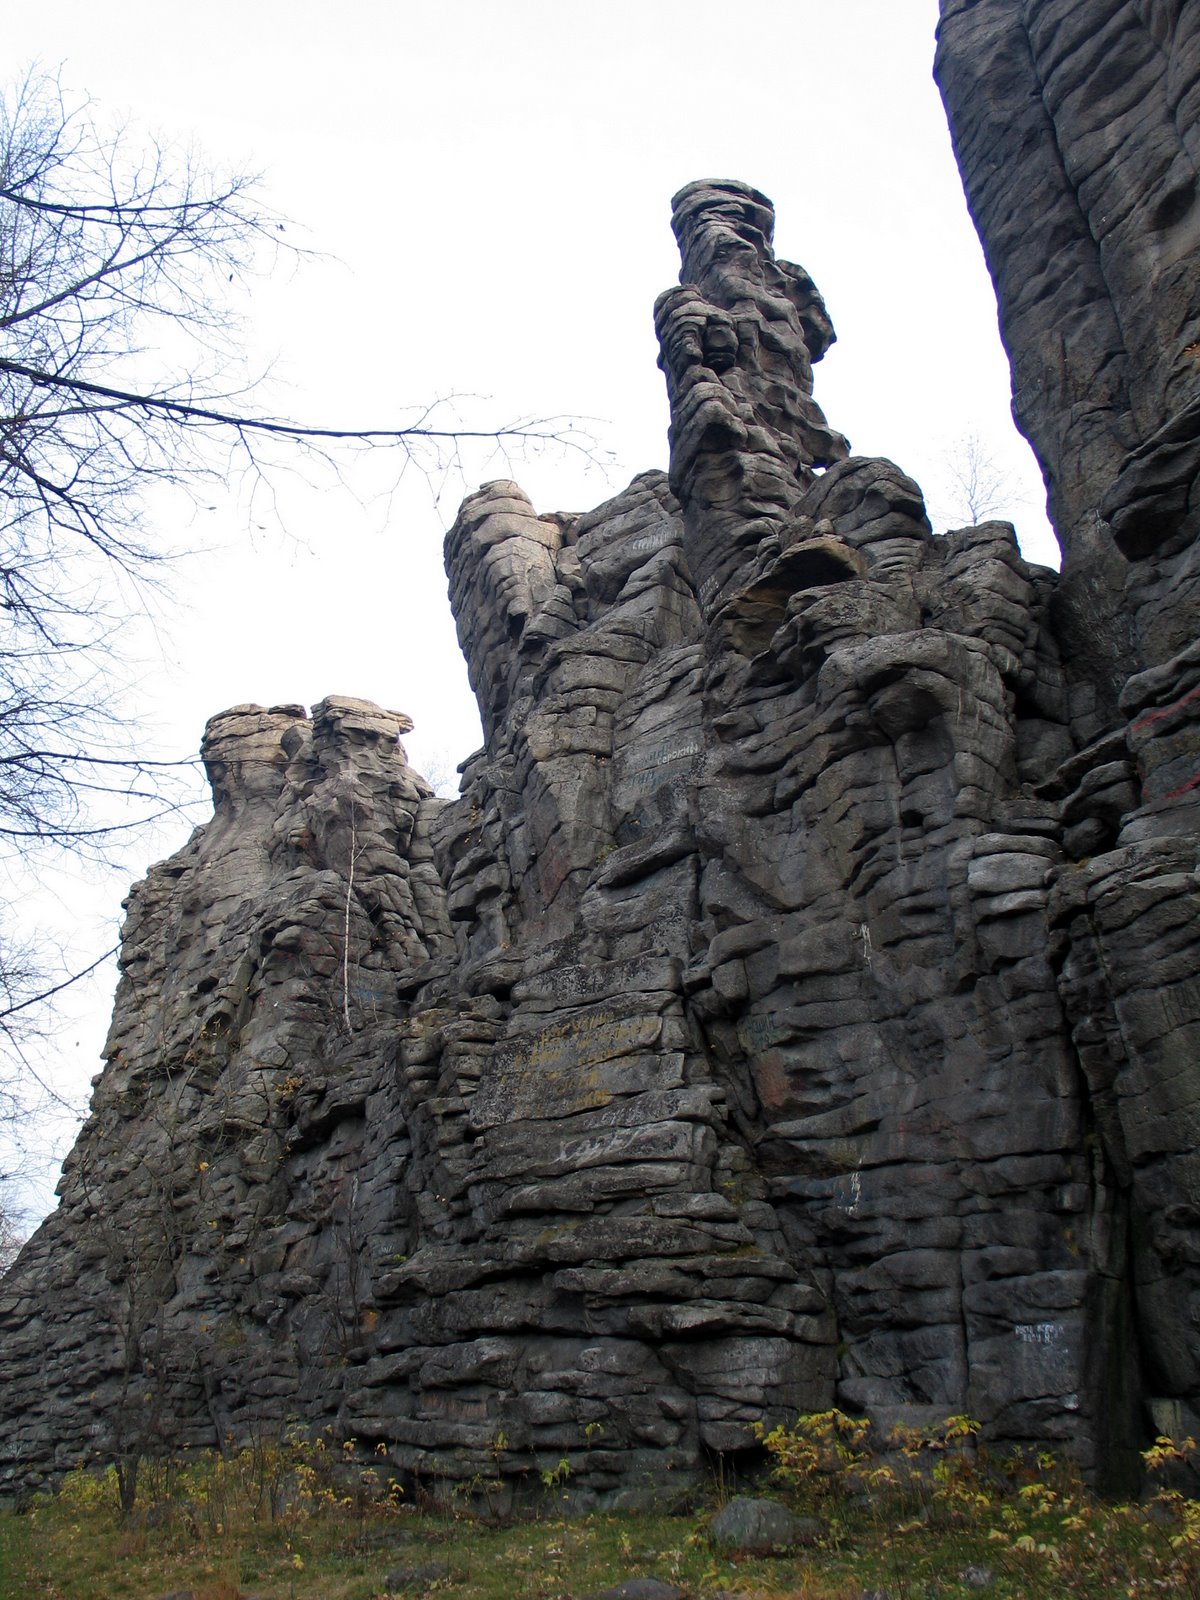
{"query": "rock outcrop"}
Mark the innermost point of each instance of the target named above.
(1077, 133)
(1086, 118)
(766, 1026)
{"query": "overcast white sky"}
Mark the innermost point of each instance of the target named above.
(490, 181)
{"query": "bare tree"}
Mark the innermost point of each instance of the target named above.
(979, 486)
(119, 360)
(122, 266)
(120, 368)
(11, 1234)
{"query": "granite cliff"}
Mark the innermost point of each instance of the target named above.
(792, 1010)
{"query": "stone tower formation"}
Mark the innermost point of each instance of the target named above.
(799, 1004)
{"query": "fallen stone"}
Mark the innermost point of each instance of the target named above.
(762, 1527)
(637, 1589)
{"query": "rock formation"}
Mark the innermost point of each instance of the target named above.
(1086, 118)
(766, 1026)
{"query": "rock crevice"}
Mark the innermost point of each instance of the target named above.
(793, 1009)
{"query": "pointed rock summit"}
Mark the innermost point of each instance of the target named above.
(795, 1009)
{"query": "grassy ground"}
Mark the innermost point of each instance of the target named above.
(288, 1530)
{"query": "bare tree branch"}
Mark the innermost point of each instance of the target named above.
(123, 267)
(47, 994)
(542, 430)
(982, 487)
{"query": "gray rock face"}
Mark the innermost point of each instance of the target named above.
(1085, 117)
(766, 1026)
(1077, 134)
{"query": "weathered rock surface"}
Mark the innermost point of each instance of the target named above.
(1084, 117)
(1077, 134)
(762, 1527)
(768, 1025)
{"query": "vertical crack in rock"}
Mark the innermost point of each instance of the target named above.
(766, 1025)
(1077, 132)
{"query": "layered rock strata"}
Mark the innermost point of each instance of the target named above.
(743, 1040)
(1077, 130)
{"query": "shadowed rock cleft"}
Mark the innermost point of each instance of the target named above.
(794, 1009)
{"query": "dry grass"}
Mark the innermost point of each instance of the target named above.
(210, 1528)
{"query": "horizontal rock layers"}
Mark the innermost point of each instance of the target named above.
(1077, 130)
(764, 1027)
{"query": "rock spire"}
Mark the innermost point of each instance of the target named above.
(794, 1008)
